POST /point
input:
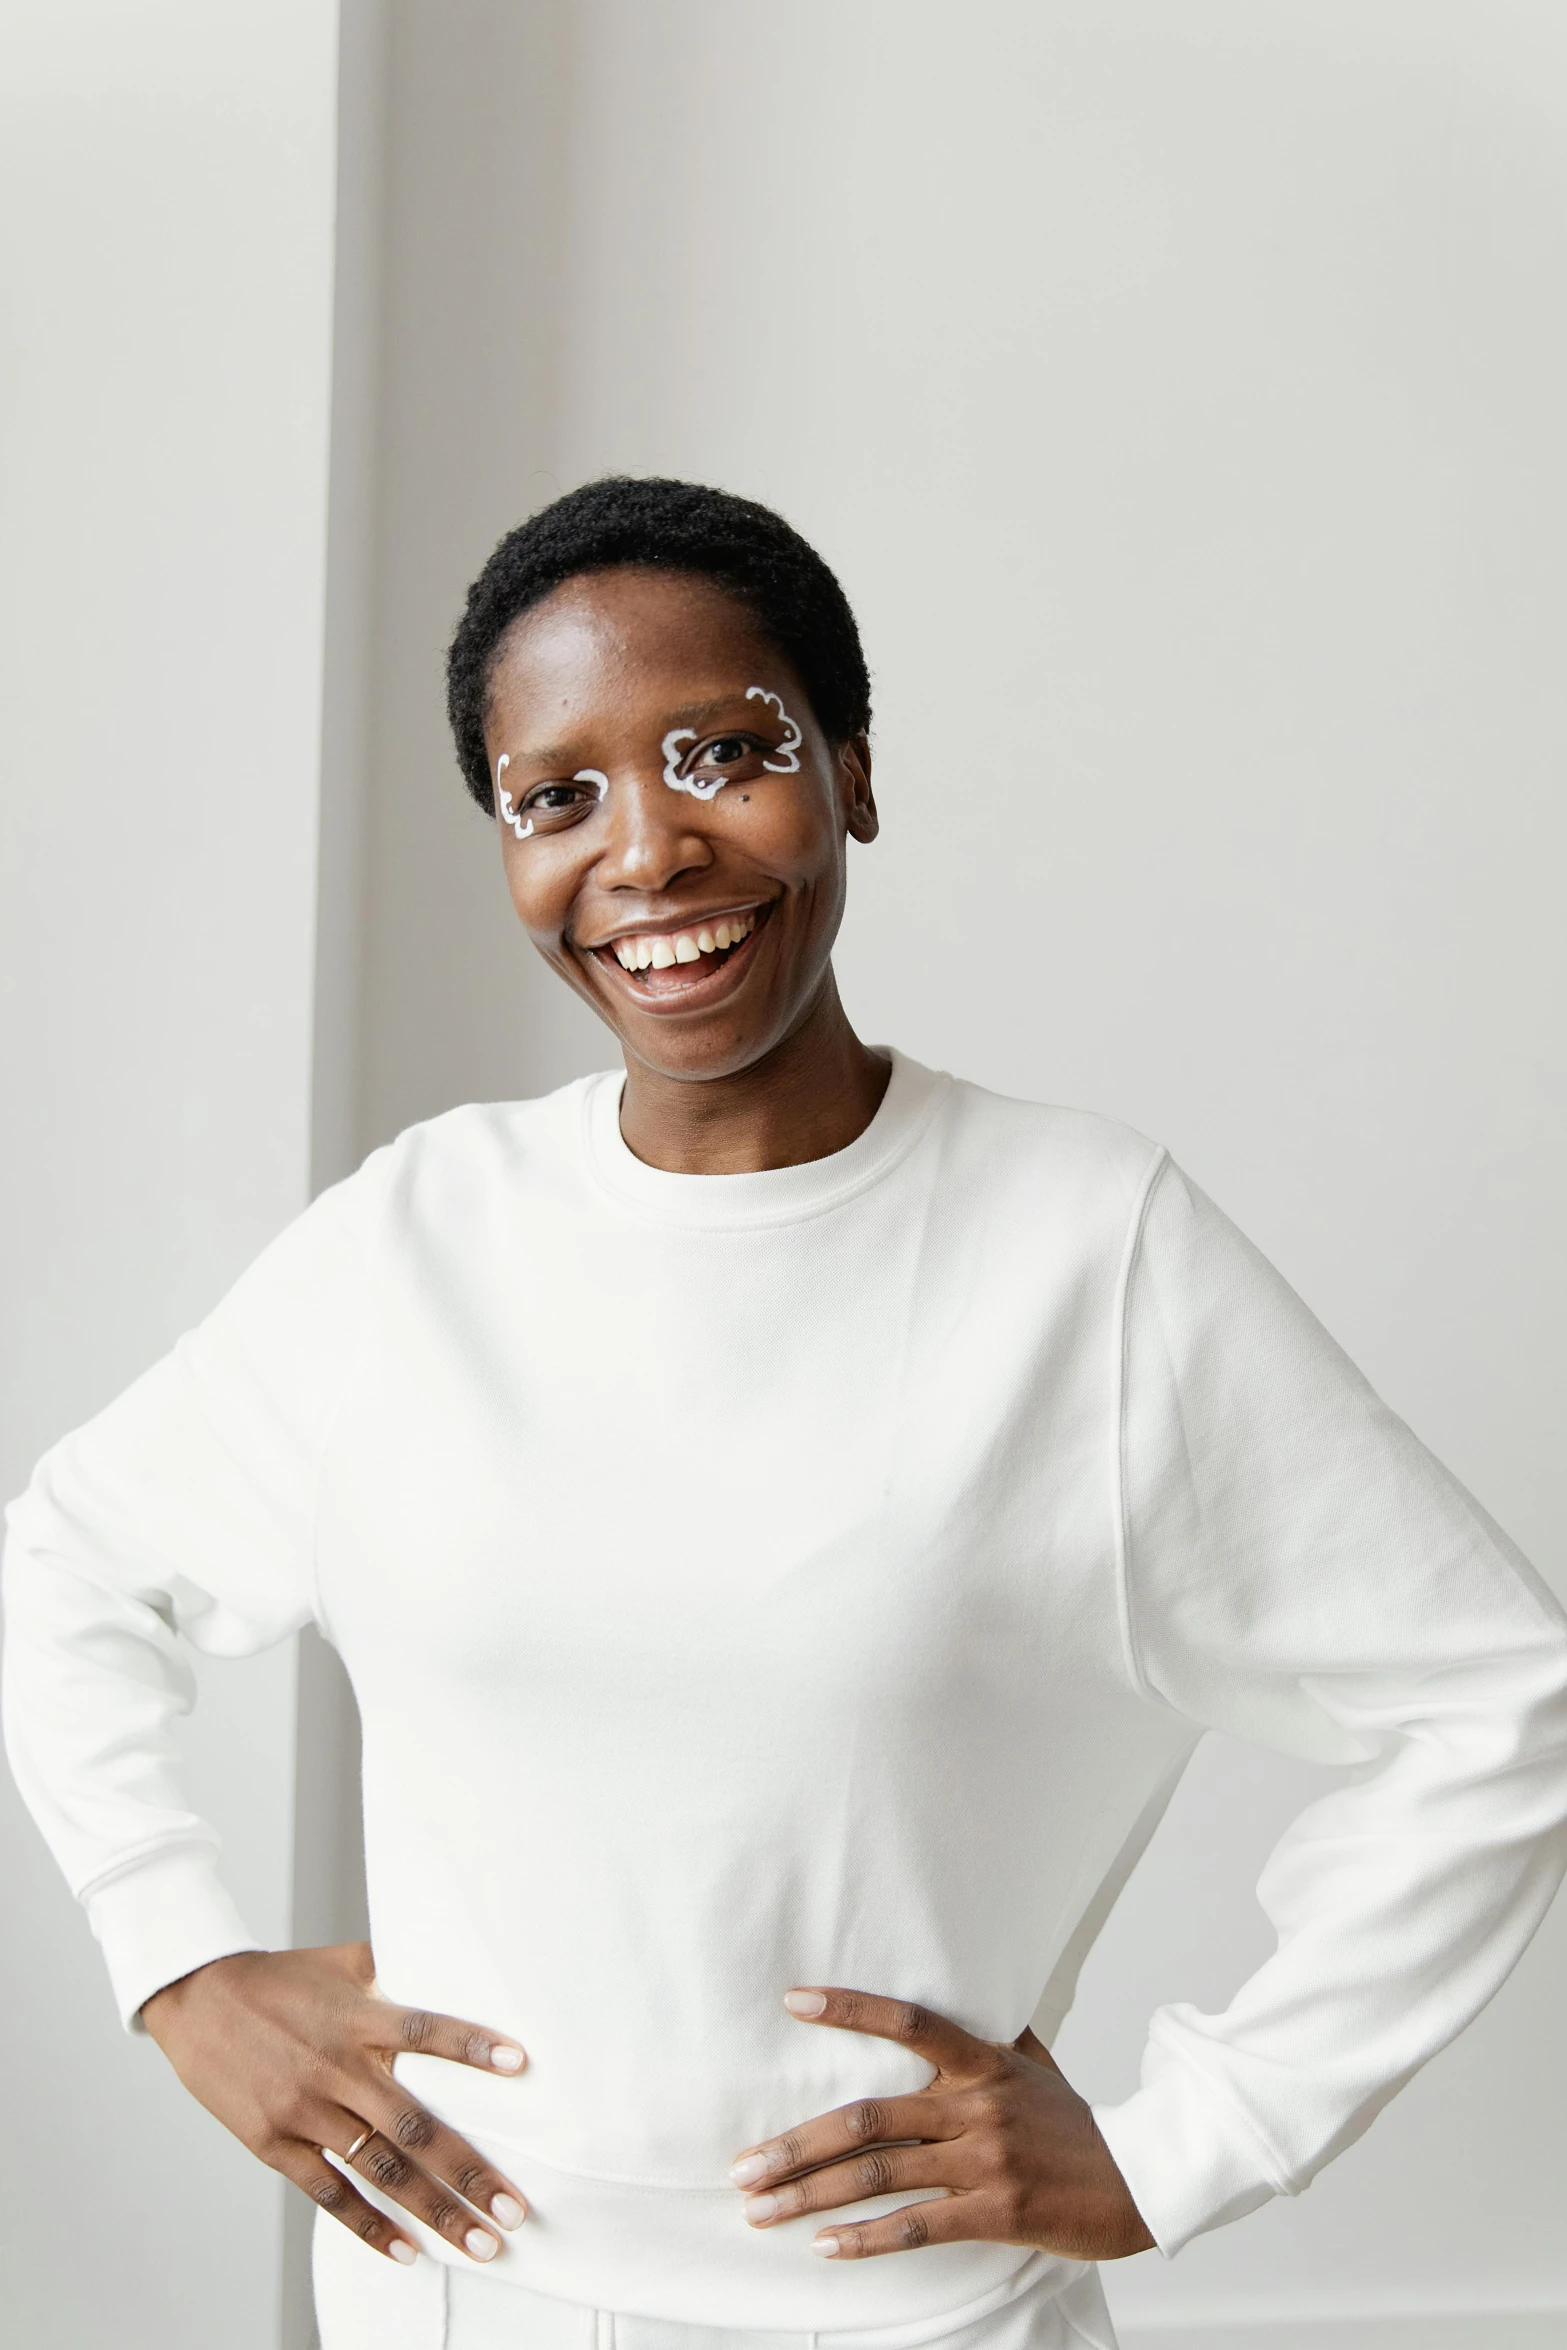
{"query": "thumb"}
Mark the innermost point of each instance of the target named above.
(1027, 2044)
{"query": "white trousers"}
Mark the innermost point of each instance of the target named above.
(365, 2302)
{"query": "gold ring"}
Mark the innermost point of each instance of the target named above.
(358, 2142)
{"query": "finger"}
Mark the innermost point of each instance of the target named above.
(402, 2180)
(408, 2132)
(869, 2121)
(954, 2219)
(331, 2192)
(418, 2031)
(881, 2170)
(942, 2043)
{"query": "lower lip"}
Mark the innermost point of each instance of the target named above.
(682, 987)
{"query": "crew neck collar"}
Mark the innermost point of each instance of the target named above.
(777, 1195)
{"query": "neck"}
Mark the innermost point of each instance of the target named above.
(813, 1094)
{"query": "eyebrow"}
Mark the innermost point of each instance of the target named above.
(550, 755)
(699, 712)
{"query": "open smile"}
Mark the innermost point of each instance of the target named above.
(684, 962)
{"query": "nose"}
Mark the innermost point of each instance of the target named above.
(651, 836)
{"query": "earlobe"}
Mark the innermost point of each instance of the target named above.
(854, 762)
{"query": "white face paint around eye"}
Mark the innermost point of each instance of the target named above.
(687, 783)
(783, 761)
(509, 814)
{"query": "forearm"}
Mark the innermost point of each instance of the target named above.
(1401, 1901)
(93, 1682)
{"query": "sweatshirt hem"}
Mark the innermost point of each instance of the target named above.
(687, 2257)
(1191, 2159)
(1275, 2169)
(143, 1856)
(161, 1919)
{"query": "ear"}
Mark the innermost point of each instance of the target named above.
(859, 801)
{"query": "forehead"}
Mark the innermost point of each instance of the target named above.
(628, 635)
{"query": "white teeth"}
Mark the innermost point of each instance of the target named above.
(657, 950)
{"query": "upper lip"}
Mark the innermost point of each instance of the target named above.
(702, 919)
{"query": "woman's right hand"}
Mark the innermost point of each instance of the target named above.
(292, 2050)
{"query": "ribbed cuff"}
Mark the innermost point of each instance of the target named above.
(162, 1919)
(1189, 2165)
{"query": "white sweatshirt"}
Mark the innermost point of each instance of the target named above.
(819, 1576)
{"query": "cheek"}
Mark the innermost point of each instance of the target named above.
(540, 896)
(516, 885)
(793, 834)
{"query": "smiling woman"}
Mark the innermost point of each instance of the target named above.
(701, 829)
(680, 646)
(789, 1517)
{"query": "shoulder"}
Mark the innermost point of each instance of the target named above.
(473, 1149)
(1063, 1161)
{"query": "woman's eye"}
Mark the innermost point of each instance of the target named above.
(727, 750)
(558, 799)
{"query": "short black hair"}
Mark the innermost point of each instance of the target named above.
(745, 549)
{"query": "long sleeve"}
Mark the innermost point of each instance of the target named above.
(181, 1514)
(1301, 1573)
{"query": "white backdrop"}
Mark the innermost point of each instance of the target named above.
(165, 284)
(1177, 391)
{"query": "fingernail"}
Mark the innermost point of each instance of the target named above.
(805, 2002)
(507, 2060)
(480, 2244)
(402, 2250)
(759, 2208)
(827, 2246)
(752, 2168)
(507, 2210)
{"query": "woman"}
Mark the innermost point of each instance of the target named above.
(788, 1517)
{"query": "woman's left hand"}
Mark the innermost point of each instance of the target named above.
(999, 2129)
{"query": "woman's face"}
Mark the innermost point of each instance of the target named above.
(673, 820)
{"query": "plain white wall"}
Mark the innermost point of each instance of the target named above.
(165, 276)
(1178, 392)
(474, 296)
